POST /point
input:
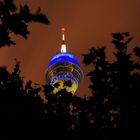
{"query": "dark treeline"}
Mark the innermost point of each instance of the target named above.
(110, 113)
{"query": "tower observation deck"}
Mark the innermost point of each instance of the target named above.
(64, 71)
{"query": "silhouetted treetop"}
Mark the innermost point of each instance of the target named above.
(14, 20)
(115, 86)
(113, 106)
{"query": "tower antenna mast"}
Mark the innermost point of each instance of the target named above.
(63, 45)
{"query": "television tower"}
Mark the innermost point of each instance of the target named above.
(64, 71)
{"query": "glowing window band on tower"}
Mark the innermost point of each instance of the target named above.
(64, 67)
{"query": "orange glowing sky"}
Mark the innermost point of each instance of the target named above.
(88, 23)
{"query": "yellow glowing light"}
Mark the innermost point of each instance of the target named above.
(71, 89)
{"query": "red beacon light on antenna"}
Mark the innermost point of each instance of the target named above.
(63, 30)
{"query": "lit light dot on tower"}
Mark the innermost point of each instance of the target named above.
(64, 71)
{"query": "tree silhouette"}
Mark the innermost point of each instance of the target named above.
(16, 21)
(112, 108)
(115, 86)
(16, 101)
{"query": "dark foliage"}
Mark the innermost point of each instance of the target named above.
(16, 101)
(111, 109)
(68, 83)
(137, 51)
(110, 113)
(14, 20)
(115, 87)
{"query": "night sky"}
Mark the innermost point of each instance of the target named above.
(88, 23)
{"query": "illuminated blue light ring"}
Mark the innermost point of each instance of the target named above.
(63, 57)
(63, 54)
(64, 76)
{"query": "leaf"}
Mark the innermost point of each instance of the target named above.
(137, 51)
(56, 85)
(68, 83)
(89, 58)
(10, 5)
(117, 36)
(39, 17)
